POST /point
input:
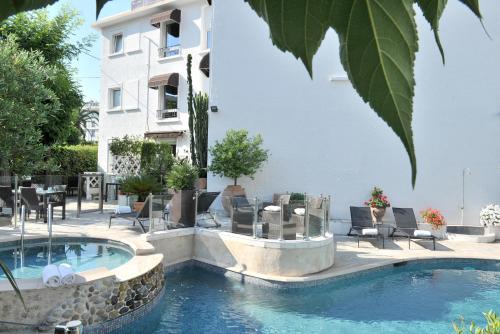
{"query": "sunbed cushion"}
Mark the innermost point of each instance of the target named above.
(272, 208)
(300, 211)
(422, 233)
(369, 231)
(123, 209)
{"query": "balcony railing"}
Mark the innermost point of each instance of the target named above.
(169, 51)
(167, 114)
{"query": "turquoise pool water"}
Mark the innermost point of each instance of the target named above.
(420, 297)
(82, 254)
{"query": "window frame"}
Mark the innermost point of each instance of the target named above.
(162, 107)
(163, 49)
(113, 43)
(111, 98)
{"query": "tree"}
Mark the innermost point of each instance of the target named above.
(51, 37)
(25, 102)
(237, 155)
(88, 113)
(378, 43)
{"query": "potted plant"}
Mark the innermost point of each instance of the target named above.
(141, 186)
(378, 203)
(490, 217)
(182, 179)
(436, 220)
(235, 156)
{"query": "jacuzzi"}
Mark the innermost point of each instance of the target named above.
(469, 233)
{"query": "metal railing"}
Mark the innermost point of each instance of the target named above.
(167, 114)
(169, 51)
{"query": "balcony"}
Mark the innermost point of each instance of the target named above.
(167, 115)
(169, 51)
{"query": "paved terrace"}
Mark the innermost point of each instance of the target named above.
(348, 258)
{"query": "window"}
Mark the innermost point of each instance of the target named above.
(168, 102)
(171, 42)
(206, 18)
(117, 46)
(115, 97)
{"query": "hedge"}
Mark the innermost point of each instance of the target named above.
(74, 159)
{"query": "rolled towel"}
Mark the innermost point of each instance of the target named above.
(300, 211)
(369, 231)
(51, 276)
(272, 208)
(422, 233)
(67, 274)
(123, 209)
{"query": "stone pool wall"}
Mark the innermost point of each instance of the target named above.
(94, 302)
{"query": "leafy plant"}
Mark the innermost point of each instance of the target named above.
(182, 176)
(378, 199)
(128, 146)
(490, 215)
(492, 325)
(297, 197)
(433, 217)
(74, 159)
(156, 159)
(237, 155)
(141, 186)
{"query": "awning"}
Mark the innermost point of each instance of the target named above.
(170, 16)
(170, 79)
(163, 134)
(209, 2)
(205, 64)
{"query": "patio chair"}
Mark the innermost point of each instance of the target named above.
(362, 225)
(143, 215)
(30, 198)
(7, 197)
(58, 199)
(406, 227)
(205, 200)
(242, 216)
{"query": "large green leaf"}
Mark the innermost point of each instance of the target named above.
(474, 6)
(433, 9)
(12, 281)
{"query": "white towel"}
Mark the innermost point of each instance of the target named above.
(272, 208)
(422, 233)
(66, 273)
(369, 231)
(300, 211)
(50, 276)
(123, 209)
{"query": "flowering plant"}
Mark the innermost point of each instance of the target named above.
(433, 217)
(490, 215)
(378, 199)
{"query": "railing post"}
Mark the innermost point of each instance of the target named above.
(14, 207)
(306, 218)
(151, 220)
(281, 220)
(196, 194)
(23, 212)
(79, 196)
(49, 227)
(255, 217)
(324, 205)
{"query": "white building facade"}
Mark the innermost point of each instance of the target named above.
(143, 71)
(322, 138)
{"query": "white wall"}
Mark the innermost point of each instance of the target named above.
(323, 139)
(129, 70)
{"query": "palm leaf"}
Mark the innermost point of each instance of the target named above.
(12, 281)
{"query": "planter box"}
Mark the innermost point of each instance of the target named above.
(438, 233)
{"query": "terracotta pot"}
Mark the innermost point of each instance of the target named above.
(202, 183)
(138, 206)
(228, 194)
(377, 214)
(182, 208)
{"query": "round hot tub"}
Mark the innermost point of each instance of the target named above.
(81, 253)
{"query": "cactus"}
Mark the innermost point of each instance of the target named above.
(200, 106)
(190, 109)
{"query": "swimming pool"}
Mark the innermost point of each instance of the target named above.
(417, 297)
(82, 253)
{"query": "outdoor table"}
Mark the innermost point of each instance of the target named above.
(116, 185)
(45, 195)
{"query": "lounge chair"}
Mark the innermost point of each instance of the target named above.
(362, 225)
(406, 227)
(242, 216)
(30, 198)
(143, 215)
(205, 200)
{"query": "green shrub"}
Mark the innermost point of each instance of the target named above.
(74, 159)
(182, 176)
(141, 186)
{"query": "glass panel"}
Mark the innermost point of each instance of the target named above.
(316, 214)
(159, 210)
(116, 98)
(117, 43)
(209, 39)
(243, 215)
(169, 97)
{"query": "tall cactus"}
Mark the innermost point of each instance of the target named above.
(192, 116)
(200, 106)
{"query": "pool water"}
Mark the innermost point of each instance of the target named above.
(419, 297)
(81, 254)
